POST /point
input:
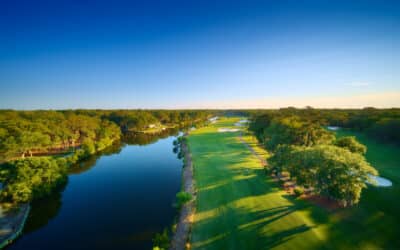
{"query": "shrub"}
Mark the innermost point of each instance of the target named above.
(298, 191)
(181, 139)
(161, 240)
(89, 147)
(78, 155)
(182, 198)
(285, 174)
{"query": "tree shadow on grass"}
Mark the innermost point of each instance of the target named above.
(214, 198)
(318, 214)
(284, 236)
(223, 193)
(246, 230)
(268, 240)
(225, 179)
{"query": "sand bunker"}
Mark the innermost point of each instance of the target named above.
(333, 128)
(213, 119)
(380, 181)
(241, 123)
(221, 130)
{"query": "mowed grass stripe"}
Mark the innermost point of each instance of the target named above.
(238, 207)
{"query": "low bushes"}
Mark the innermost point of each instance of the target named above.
(298, 191)
(182, 198)
(161, 241)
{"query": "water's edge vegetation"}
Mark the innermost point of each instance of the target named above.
(40, 148)
(186, 199)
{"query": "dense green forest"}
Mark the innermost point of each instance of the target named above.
(37, 147)
(313, 157)
(382, 124)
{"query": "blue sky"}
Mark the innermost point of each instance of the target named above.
(199, 54)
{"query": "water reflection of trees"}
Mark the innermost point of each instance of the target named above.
(130, 138)
(135, 138)
(45, 209)
(89, 162)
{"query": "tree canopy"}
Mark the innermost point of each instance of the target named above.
(295, 131)
(382, 124)
(311, 154)
(351, 144)
(31, 178)
(332, 171)
(27, 135)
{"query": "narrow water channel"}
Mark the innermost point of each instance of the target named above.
(114, 201)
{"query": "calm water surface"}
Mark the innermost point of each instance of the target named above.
(114, 201)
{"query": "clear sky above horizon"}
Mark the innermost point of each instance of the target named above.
(199, 54)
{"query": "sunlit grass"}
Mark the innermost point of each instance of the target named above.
(237, 206)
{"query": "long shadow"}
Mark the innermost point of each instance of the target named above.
(234, 189)
(318, 214)
(232, 181)
(263, 219)
(283, 236)
(250, 223)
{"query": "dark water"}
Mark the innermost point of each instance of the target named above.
(115, 201)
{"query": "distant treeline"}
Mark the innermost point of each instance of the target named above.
(382, 124)
(28, 133)
(312, 157)
(27, 138)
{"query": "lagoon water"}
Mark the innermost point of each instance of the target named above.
(115, 201)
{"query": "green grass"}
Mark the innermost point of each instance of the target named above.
(375, 221)
(384, 157)
(238, 207)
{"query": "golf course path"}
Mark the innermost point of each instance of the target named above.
(181, 235)
(237, 205)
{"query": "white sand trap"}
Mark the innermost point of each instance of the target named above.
(380, 181)
(333, 128)
(221, 130)
(241, 123)
(213, 119)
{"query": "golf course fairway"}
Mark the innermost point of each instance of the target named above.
(238, 206)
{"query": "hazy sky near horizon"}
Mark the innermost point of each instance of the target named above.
(199, 54)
